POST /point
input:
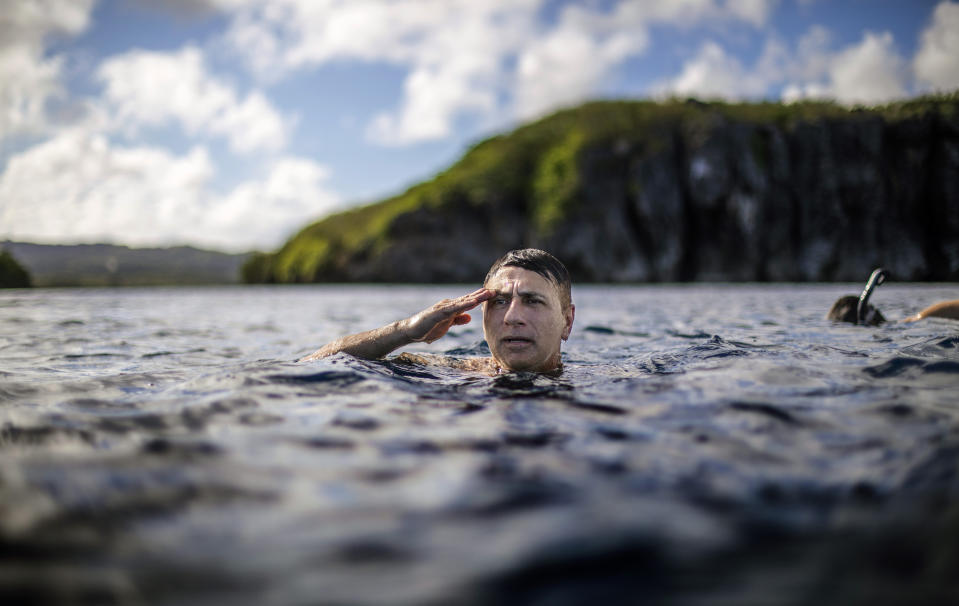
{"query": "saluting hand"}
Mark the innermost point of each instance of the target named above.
(428, 325)
(434, 322)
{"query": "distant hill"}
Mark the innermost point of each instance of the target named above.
(109, 265)
(645, 191)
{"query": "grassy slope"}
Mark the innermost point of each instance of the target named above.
(537, 163)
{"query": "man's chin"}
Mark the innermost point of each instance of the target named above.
(511, 361)
(517, 363)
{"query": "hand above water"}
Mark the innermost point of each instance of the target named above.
(426, 326)
(434, 322)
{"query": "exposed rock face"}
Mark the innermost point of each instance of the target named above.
(821, 202)
(707, 196)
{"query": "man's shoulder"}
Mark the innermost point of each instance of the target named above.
(483, 365)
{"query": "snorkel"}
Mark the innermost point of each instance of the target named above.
(877, 277)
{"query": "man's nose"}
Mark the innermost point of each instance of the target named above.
(514, 313)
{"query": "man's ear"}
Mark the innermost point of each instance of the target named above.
(569, 314)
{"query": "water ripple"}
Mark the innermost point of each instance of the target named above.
(159, 443)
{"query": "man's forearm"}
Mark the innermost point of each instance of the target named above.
(944, 309)
(427, 326)
(368, 345)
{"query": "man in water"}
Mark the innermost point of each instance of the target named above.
(857, 310)
(527, 313)
(844, 310)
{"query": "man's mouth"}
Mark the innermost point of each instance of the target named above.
(516, 342)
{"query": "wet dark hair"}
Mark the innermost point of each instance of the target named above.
(857, 310)
(540, 262)
(845, 309)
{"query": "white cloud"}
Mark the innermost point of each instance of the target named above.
(251, 125)
(629, 15)
(714, 74)
(29, 80)
(432, 99)
(263, 214)
(812, 55)
(755, 12)
(454, 69)
(796, 92)
(569, 63)
(490, 58)
(145, 88)
(869, 72)
(191, 8)
(936, 63)
(77, 187)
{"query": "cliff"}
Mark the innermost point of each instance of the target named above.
(676, 191)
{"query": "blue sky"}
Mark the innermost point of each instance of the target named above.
(230, 124)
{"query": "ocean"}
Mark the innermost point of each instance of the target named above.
(705, 444)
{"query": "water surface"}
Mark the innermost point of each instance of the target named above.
(704, 443)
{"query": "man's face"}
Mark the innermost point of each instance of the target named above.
(525, 322)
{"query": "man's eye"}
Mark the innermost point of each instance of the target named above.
(499, 301)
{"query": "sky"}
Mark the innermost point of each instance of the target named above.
(232, 124)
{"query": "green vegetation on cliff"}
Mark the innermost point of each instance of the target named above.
(12, 274)
(536, 172)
